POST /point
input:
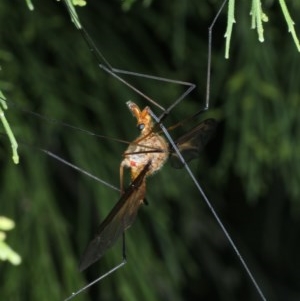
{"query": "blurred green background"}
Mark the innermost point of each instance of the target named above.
(250, 170)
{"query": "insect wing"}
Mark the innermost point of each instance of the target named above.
(118, 220)
(192, 143)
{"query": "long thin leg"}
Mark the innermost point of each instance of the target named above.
(211, 208)
(124, 261)
(99, 278)
(107, 67)
(63, 161)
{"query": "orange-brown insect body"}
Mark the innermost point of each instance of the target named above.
(144, 156)
(148, 147)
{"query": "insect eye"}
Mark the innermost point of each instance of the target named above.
(141, 126)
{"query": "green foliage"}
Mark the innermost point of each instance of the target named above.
(258, 18)
(175, 250)
(6, 252)
(7, 129)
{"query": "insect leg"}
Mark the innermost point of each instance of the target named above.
(211, 208)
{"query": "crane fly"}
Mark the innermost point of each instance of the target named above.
(144, 156)
(147, 154)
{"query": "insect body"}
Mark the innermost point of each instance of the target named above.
(148, 147)
(144, 156)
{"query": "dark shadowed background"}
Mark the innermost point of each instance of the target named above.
(250, 170)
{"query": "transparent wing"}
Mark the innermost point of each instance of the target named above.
(118, 220)
(192, 143)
